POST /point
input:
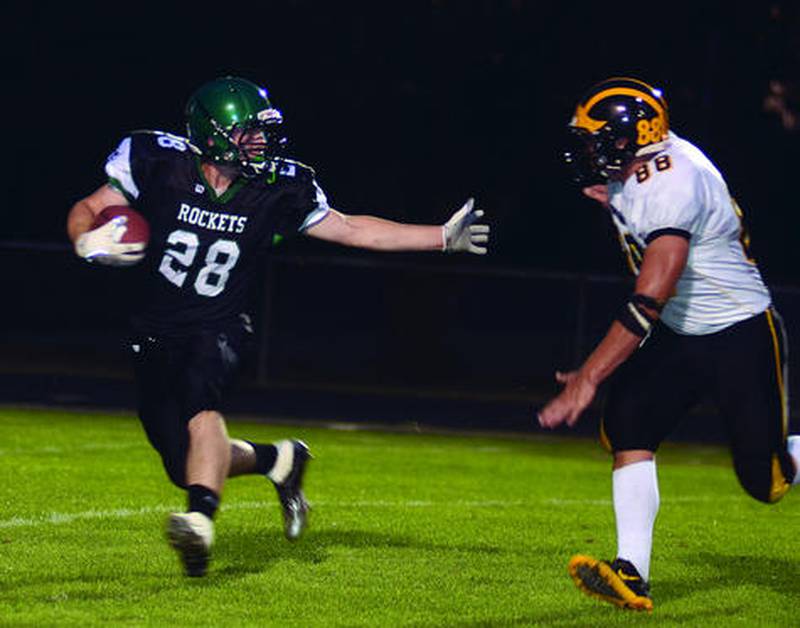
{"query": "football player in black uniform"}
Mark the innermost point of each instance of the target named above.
(214, 202)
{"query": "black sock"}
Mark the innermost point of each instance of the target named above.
(203, 499)
(266, 455)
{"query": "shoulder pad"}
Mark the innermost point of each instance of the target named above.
(168, 140)
(293, 168)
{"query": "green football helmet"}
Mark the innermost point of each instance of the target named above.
(231, 122)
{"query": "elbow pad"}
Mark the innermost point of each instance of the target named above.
(635, 318)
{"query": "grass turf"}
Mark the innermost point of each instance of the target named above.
(407, 529)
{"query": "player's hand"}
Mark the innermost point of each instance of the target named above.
(102, 245)
(571, 402)
(461, 234)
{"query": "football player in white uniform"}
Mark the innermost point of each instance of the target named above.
(700, 323)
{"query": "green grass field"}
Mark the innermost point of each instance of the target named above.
(407, 529)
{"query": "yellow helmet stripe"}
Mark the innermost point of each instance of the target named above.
(647, 88)
(584, 121)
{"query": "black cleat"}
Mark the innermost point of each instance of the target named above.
(191, 535)
(290, 493)
(617, 582)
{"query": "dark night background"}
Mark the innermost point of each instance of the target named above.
(404, 109)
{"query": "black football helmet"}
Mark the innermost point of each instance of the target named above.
(616, 121)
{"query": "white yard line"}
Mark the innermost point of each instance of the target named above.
(689, 499)
(50, 449)
(59, 518)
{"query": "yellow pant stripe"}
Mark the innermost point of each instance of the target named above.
(779, 371)
(779, 486)
(605, 443)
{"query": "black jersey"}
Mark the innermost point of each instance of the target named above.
(205, 249)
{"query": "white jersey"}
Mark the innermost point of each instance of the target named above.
(680, 192)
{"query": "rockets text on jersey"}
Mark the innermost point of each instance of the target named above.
(205, 248)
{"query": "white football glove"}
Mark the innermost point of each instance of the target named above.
(460, 234)
(102, 245)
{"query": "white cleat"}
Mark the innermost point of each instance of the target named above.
(191, 535)
(293, 501)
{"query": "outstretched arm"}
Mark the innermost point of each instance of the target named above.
(663, 263)
(460, 233)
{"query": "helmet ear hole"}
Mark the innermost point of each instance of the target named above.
(621, 143)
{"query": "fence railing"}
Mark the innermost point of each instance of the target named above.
(348, 322)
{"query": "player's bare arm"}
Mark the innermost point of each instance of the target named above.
(102, 244)
(460, 233)
(663, 263)
(83, 212)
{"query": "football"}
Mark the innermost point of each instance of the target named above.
(137, 228)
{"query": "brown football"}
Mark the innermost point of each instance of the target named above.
(137, 228)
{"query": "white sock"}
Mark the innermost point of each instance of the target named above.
(283, 461)
(793, 445)
(635, 507)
